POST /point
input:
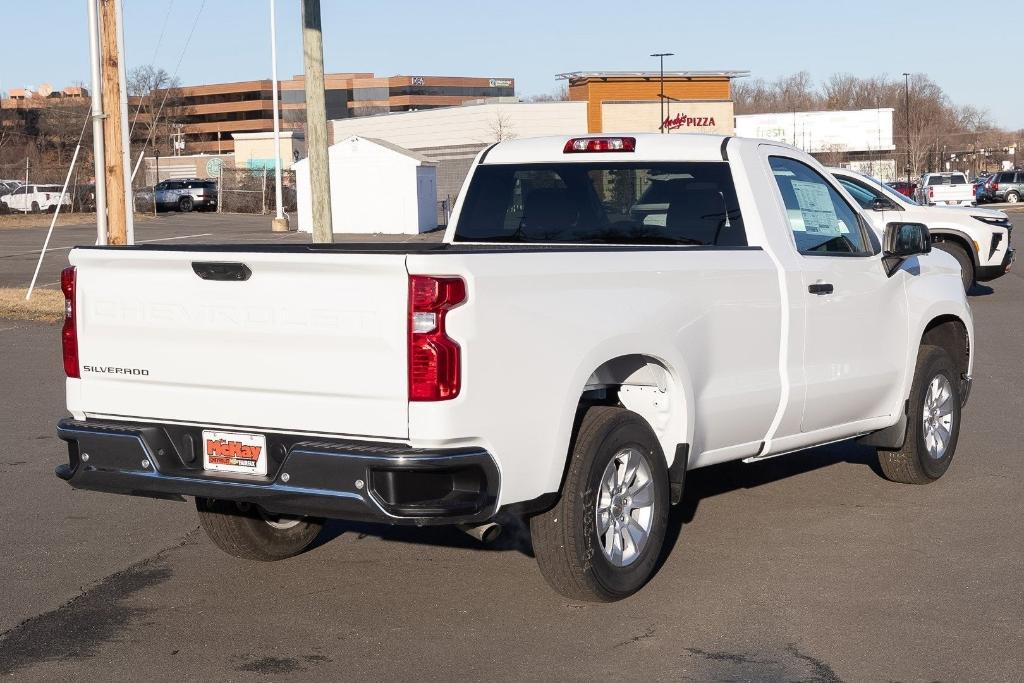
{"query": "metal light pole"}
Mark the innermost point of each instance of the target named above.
(661, 100)
(280, 223)
(96, 104)
(906, 106)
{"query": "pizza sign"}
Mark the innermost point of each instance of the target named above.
(684, 121)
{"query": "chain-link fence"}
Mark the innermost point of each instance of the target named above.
(233, 190)
(252, 190)
(444, 211)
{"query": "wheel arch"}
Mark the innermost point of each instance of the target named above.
(961, 238)
(950, 333)
(647, 383)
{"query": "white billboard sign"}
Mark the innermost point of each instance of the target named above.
(862, 130)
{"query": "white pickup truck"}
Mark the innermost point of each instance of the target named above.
(560, 355)
(945, 189)
(979, 239)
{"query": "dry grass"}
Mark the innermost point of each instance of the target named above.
(42, 220)
(46, 305)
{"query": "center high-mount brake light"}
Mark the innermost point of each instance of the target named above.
(69, 333)
(434, 357)
(577, 145)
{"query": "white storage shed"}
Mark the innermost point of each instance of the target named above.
(376, 186)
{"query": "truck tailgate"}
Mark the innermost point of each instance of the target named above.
(311, 342)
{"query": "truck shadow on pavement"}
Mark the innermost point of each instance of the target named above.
(980, 290)
(700, 484)
(708, 482)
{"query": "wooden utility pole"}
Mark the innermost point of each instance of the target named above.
(316, 121)
(112, 130)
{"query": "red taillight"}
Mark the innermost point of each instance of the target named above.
(434, 357)
(576, 145)
(931, 192)
(69, 333)
(994, 187)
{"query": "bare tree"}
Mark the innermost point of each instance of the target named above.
(559, 94)
(788, 93)
(501, 127)
(155, 104)
(938, 130)
(832, 155)
(60, 125)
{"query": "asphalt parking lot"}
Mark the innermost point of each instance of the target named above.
(807, 567)
(20, 247)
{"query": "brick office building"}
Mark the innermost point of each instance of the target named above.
(210, 114)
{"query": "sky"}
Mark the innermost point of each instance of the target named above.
(530, 41)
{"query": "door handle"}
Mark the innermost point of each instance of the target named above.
(820, 288)
(221, 270)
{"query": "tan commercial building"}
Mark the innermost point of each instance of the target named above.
(256, 150)
(693, 102)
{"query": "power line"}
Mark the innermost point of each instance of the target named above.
(156, 50)
(177, 67)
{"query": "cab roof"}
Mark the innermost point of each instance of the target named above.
(649, 147)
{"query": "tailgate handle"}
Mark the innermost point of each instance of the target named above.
(221, 270)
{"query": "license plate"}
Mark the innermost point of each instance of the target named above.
(235, 452)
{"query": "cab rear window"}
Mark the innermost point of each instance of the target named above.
(610, 203)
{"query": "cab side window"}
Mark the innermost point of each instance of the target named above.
(823, 224)
(862, 195)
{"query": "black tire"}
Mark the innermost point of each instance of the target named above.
(913, 464)
(244, 531)
(565, 538)
(35, 207)
(185, 204)
(961, 255)
(1012, 197)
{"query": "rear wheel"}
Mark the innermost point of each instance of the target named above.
(1012, 197)
(933, 422)
(602, 539)
(963, 258)
(249, 532)
(185, 204)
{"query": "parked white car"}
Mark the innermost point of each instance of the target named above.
(979, 239)
(945, 189)
(558, 356)
(35, 198)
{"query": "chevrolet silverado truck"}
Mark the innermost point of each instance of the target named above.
(979, 239)
(560, 356)
(945, 189)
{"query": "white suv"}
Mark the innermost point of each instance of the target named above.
(978, 238)
(35, 198)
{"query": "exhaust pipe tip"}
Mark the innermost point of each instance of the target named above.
(485, 533)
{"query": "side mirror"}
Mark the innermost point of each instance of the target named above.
(903, 240)
(880, 204)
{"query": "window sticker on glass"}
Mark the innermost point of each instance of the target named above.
(816, 208)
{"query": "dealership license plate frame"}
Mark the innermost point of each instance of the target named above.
(235, 452)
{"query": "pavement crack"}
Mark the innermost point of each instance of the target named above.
(79, 627)
(649, 633)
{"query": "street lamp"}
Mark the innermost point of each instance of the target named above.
(906, 106)
(661, 100)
